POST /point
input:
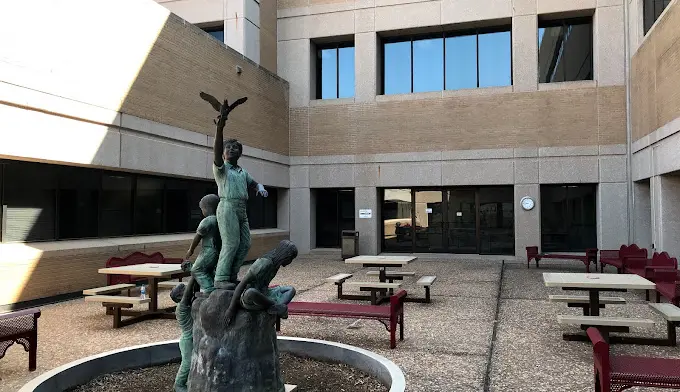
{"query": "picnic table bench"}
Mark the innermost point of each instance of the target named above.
(583, 301)
(20, 327)
(390, 316)
(616, 258)
(617, 373)
(671, 314)
(589, 257)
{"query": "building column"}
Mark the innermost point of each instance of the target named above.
(366, 64)
(666, 214)
(642, 218)
(525, 52)
(301, 219)
(366, 198)
(527, 223)
(242, 27)
(612, 215)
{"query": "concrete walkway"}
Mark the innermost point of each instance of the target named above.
(488, 329)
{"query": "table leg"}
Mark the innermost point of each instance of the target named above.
(382, 276)
(153, 294)
(594, 302)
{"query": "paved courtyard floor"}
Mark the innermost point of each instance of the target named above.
(489, 328)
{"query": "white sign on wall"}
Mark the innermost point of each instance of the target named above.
(428, 210)
(365, 213)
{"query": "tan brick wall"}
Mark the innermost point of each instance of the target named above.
(569, 117)
(184, 61)
(61, 272)
(655, 76)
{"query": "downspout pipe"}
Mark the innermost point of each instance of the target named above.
(629, 129)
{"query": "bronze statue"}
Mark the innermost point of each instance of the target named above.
(203, 269)
(232, 185)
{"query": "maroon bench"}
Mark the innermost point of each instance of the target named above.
(617, 373)
(648, 268)
(616, 258)
(589, 257)
(20, 327)
(668, 286)
(392, 314)
(137, 258)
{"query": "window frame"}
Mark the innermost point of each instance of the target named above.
(319, 80)
(654, 16)
(542, 24)
(444, 35)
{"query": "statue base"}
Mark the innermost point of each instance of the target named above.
(241, 357)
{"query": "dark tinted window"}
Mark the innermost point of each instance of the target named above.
(78, 202)
(149, 205)
(568, 218)
(115, 200)
(48, 202)
(262, 213)
(652, 11)
(216, 32)
(565, 51)
(479, 58)
(30, 196)
(335, 71)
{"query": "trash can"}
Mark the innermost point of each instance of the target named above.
(350, 244)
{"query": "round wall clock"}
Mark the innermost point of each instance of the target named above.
(527, 203)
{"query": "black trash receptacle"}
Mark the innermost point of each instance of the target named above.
(350, 244)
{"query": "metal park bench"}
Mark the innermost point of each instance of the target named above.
(589, 257)
(392, 314)
(20, 327)
(618, 373)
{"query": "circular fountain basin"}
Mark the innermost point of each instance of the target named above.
(147, 355)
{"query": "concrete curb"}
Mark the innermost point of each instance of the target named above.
(83, 370)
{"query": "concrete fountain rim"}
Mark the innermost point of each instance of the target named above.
(158, 353)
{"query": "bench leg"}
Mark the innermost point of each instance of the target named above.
(33, 350)
(393, 331)
(427, 294)
(672, 337)
(117, 317)
(339, 284)
(278, 323)
(401, 326)
(658, 297)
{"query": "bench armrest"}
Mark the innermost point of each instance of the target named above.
(19, 313)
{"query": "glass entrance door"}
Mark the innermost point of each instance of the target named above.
(429, 227)
(462, 221)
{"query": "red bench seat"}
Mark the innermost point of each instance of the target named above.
(668, 286)
(616, 258)
(392, 314)
(20, 327)
(618, 373)
(589, 257)
(646, 267)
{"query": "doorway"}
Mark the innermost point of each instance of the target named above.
(449, 220)
(334, 213)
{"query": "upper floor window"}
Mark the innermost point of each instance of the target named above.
(652, 10)
(450, 61)
(565, 50)
(335, 71)
(217, 32)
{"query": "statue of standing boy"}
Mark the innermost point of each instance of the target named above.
(203, 269)
(233, 183)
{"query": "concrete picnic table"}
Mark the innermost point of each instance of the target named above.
(154, 273)
(595, 283)
(382, 262)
